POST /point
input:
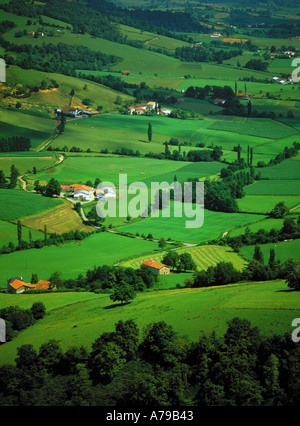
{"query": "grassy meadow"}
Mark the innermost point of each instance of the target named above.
(82, 317)
(72, 258)
(18, 123)
(283, 250)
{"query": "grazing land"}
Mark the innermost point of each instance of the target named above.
(190, 311)
(98, 249)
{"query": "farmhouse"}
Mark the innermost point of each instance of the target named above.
(65, 187)
(219, 101)
(158, 267)
(243, 96)
(289, 53)
(83, 195)
(165, 111)
(279, 80)
(72, 112)
(216, 35)
(17, 285)
(151, 104)
(126, 72)
(131, 109)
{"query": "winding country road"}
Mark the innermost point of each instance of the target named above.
(58, 160)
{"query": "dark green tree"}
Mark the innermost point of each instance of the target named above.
(122, 292)
(52, 188)
(149, 132)
(258, 255)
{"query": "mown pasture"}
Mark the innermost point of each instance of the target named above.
(82, 317)
(203, 256)
(59, 219)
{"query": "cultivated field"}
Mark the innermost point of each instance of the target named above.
(17, 204)
(203, 256)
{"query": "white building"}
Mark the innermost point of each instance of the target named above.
(83, 195)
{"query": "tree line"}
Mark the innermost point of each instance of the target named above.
(156, 366)
(62, 58)
(11, 181)
(15, 143)
(18, 319)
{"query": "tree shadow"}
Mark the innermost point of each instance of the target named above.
(289, 290)
(116, 305)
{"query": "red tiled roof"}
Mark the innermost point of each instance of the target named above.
(77, 186)
(154, 264)
(42, 285)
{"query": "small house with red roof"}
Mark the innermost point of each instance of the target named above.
(17, 285)
(157, 267)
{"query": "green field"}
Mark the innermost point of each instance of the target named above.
(265, 203)
(25, 163)
(80, 169)
(203, 256)
(215, 225)
(274, 187)
(287, 170)
(96, 250)
(17, 204)
(112, 131)
(264, 128)
(283, 250)
(8, 233)
(15, 123)
(190, 311)
(266, 225)
(48, 100)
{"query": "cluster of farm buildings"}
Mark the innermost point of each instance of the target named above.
(140, 109)
(18, 285)
(72, 112)
(87, 193)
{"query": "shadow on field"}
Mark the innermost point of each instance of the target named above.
(290, 290)
(116, 306)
